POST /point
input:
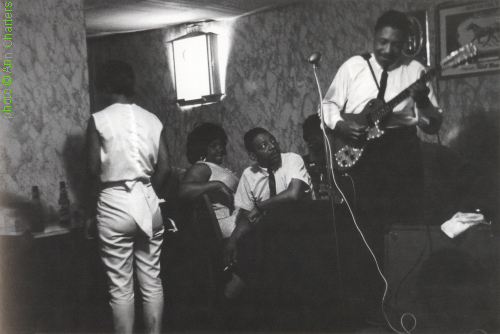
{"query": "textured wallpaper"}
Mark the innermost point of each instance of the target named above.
(269, 83)
(41, 144)
(148, 54)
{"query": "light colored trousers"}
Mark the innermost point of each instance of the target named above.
(123, 245)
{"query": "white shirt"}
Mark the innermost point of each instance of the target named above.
(130, 138)
(354, 84)
(222, 212)
(254, 182)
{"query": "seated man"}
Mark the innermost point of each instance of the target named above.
(275, 179)
(315, 163)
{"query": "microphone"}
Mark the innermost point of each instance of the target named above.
(314, 58)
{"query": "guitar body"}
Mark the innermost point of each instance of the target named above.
(346, 151)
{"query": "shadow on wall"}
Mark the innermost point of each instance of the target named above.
(75, 166)
(442, 168)
(478, 144)
(26, 212)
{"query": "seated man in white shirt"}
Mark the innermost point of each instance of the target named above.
(275, 179)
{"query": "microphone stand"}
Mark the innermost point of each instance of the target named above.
(328, 156)
(314, 60)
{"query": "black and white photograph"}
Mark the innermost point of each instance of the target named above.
(250, 166)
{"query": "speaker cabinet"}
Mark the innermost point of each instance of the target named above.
(449, 285)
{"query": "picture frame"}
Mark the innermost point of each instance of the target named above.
(474, 22)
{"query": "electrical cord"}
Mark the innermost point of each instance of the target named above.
(330, 167)
(314, 59)
(406, 331)
(353, 192)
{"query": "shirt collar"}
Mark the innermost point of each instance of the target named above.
(392, 67)
(264, 169)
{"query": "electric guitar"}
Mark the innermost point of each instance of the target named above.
(348, 151)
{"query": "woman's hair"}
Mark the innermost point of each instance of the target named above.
(115, 77)
(199, 139)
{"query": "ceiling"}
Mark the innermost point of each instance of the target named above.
(104, 17)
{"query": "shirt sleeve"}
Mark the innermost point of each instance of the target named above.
(296, 169)
(336, 96)
(243, 196)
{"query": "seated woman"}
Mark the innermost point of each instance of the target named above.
(206, 148)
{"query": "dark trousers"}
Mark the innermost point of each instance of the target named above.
(388, 190)
(389, 180)
(288, 261)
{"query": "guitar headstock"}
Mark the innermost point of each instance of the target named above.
(459, 56)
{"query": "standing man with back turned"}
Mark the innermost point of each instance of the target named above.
(128, 158)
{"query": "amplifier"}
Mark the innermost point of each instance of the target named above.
(449, 285)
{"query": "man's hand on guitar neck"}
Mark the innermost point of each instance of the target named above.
(429, 116)
(352, 130)
(420, 93)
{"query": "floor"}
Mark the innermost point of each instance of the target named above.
(57, 285)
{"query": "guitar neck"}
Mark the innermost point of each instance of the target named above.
(386, 110)
(454, 59)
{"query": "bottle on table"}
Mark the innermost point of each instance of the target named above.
(37, 220)
(64, 206)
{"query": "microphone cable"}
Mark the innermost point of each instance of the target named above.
(314, 59)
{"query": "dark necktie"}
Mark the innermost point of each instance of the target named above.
(383, 86)
(272, 182)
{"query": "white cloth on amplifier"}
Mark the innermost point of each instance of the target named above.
(460, 222)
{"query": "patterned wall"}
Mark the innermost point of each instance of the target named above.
(147, 53)
(41, 145)
(269, 83)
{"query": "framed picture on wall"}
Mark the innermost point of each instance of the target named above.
(477, 23)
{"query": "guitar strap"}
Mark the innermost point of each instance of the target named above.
(367, 56)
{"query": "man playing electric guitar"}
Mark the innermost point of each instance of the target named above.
(390, 172)
(389, 175)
